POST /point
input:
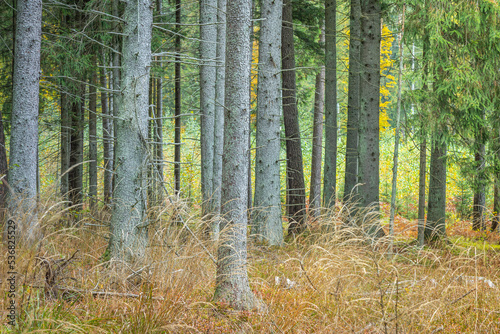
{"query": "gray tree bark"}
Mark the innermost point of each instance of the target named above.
(317, 149)
(369, 115)
(24, 131)
(129, 222)
(232, 284)
(330, 172)
(219, 111)
(116, 73)
(353, 106)
(267, 225)
(107, 135)
(4, 170)
(436, 207)
(208, 55)
(93, 139)
(177, 99)
(296, 194)
(421, 187)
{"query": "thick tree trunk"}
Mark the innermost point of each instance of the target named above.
(177, 99)
(436, 206)
(208, 55)
(232, 284)
(267, 224)
(24, 125)
(219, 112)
(296, 194)
(353, 106)
(317, 147)
(128, 222)
(369, 115)
(107, 135)
(93, 140)
(330, 173)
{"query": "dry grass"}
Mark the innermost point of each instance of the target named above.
(319, 283)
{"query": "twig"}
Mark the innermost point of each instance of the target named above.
(307, 276)
(456, 300)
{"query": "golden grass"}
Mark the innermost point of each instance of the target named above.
(335, 284)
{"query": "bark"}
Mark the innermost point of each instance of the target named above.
(353, 106)
(317, 149)
(65, 144)
(4, 171)
(369, 115)
(177, 100)
(478, 222)
(397, 136)
(75, 175)
(296, 195)
(93, 139)
(158, 124)
(266, 215)
(24, 124)
(496, 189)
(232, 284)
(436, 207)
(116, 96)
(219, 112)
(107, 135)
(421, 187)
(129, 222)
(208, 54)
(330, 173)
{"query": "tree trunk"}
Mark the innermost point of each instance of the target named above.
(208, 55)
(330, 173)
(369, 115)
(24, 124)
(478, 222)
(128, 222)
(4, 171)
(232, 284)
(65, 144)
(317, 149)
(496, 178)
(397, 136)
(107, 135)
(117, 94)
(267, 224)
(219, 112)
(93, 139)
(353, 106)
(436, 206)
(158, 124)
(177, 99)
(75, 175)
(421, 187)
(296, 194)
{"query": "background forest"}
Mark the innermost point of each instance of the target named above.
(272, 166)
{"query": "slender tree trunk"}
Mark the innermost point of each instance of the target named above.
(159, 121)
(397, 136)
(478, 222)
(4, 170)
(267, 224)
(65, 144)
(219, 113)
(208, 55)
(177, 99)
(117, 93)
(421, 186)
(232, 284)
(129, 222)
(317, 148)
(496, 178)
(369, 114)
(353, 106)
(436, 207)
(296, 195)
(24, 125)
(107, 135)
(330, 173)
(75, 175)
(150, 139)
(93, 139)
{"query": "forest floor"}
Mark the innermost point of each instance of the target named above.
(318, 283)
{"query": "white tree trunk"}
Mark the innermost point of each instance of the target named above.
(208, 54)
(128, 223)
(232, 284)
(24, 133)
(266, 215)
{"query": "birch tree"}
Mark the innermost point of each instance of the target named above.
(267, 225)
(232, 284)
(24, 132)
(128, 222)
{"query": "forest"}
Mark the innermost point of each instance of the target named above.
(244, 166)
